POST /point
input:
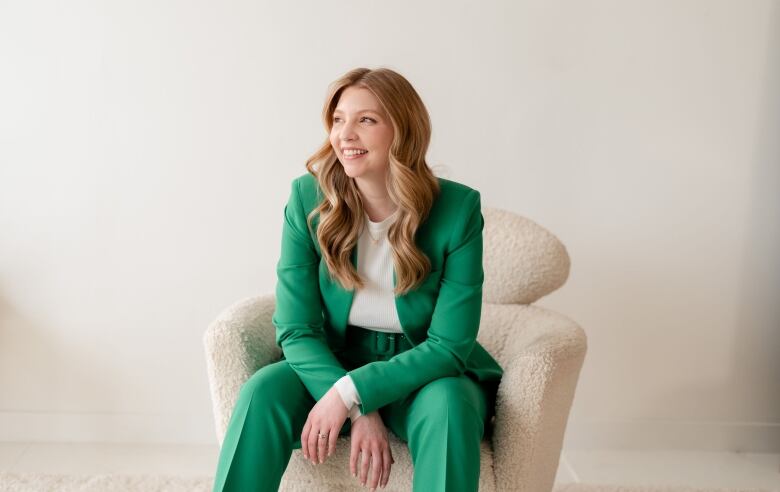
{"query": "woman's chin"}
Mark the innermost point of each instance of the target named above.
(352, 170)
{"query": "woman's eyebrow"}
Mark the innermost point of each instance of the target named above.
(358, 112)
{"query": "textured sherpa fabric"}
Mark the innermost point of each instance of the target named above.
(581, 487)
(41, 482)
(540, 351)
(113, 482)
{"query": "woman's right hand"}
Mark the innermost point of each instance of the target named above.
(368, 436)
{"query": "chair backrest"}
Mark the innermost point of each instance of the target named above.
(522, 260)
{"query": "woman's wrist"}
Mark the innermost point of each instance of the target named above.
(354, 413)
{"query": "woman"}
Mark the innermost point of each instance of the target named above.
(378, 304)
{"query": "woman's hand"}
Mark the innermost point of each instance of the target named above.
(369, 439)
(326, 417)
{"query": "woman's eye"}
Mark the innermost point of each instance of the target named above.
(361, 119)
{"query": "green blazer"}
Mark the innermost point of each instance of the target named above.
(440, 317)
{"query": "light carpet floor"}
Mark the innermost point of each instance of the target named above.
(45, 482)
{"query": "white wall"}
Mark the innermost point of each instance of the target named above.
(146, 150)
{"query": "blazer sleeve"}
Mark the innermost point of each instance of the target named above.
(454, 324)
(298, 316)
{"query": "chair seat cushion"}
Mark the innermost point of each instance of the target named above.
(333, 475)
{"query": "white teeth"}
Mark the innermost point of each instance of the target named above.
(354, 152)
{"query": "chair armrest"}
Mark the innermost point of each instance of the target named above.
(544, 354)
(238, 342)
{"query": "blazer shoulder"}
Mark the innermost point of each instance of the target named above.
(455, 187)
(308, 190)
(453, 195)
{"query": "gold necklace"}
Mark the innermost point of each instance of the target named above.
(373, 239)
(368, 229)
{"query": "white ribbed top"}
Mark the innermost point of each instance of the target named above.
(373, 307)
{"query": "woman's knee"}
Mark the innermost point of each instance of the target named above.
(459, 400)
(275, 384)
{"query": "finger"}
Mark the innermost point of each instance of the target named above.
(354, 454)
(305, 438)
(386, 471)
(381, 477)
(365, 457)
(322, 446)
(376, 468)
(317, 445)
(312, 443)
(333, 439)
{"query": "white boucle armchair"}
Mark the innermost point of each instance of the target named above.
(540, 351)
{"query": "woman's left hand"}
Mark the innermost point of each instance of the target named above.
(327, 417)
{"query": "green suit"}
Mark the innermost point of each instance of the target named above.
(440, 319)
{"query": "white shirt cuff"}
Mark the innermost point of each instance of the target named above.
(349, 395)
(354, 413)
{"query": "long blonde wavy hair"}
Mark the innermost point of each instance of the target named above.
(411, 184)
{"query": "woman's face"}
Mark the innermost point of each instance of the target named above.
(360, 123)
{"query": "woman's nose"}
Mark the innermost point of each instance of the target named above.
(347, 131)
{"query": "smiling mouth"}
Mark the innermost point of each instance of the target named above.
(354, 156)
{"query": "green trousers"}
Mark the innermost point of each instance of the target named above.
(442, 422)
